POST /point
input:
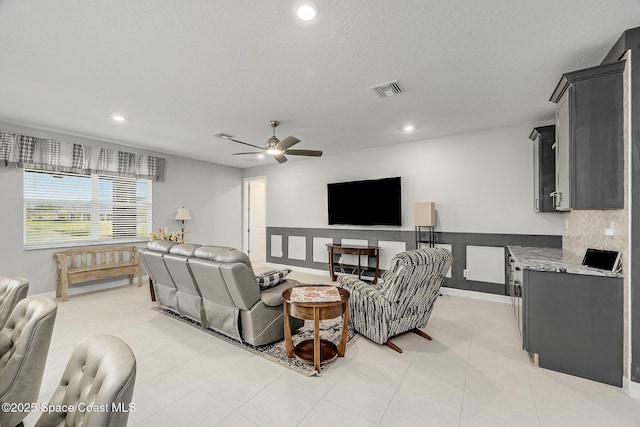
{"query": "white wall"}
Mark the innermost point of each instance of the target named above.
(481, 182)
(213, 194)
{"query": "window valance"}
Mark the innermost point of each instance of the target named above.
(51, 155)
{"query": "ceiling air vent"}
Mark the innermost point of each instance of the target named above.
(222, 135)
(385, 90)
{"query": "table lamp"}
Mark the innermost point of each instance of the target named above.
(183, 215)
(424, 215)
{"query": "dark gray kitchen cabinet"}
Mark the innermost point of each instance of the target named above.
(574, 323)
(589, 138)
(544, 168)
(571, 323)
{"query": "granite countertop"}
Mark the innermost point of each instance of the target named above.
(555, 260)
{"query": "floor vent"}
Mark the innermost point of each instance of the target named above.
(385, 90)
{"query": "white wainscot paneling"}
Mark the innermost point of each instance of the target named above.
(485, 263)
(353, 259)
(447, 247)
(320, 253)
(276, 245)
(387, 251)
(297, 247)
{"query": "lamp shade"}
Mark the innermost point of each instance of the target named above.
(183, 214)
(424, 214)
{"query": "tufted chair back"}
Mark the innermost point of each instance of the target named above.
(24, 345)
(97, 382)
(12, 291)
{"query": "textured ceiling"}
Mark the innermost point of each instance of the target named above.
(180, 71)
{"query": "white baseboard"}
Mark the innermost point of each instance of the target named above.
(444, 290)
(454, 292)
(84, 289)
(631, 388)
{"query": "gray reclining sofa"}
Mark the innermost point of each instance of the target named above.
(216, 286)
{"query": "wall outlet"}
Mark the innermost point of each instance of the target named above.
(611, 231)
(465, 273)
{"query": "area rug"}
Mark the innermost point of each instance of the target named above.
(330, 330)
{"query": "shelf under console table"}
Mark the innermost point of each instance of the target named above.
(368, 251)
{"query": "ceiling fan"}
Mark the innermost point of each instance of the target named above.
(274, 146)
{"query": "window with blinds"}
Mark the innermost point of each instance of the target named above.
(68, 209)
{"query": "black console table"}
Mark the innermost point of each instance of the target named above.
(369, 251)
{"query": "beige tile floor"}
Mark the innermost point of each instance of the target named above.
(472, 374)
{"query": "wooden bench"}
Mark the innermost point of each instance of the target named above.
(93, 263)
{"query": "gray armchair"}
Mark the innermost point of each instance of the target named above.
(402, 300)
(101, 373)
(24, 345)
(12, 291)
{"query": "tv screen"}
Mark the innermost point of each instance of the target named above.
(371, 202)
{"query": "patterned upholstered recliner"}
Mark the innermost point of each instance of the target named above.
(402, 301)
(97, 384)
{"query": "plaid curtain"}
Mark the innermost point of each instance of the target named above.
(56, 156)
(7, 143)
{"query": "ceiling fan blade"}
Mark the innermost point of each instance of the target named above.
(249, 152)
(289, 141)
(280, 158)
(228, 138)
(313, 153)
(246, 143)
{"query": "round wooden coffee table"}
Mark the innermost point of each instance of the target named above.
(316, 350)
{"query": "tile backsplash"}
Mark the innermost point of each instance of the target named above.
(586, 230)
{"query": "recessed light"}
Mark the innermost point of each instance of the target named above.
(408, 128)
(306, 12)
(118, 118)
(261, 156)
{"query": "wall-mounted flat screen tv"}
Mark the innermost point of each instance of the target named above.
(370, 202)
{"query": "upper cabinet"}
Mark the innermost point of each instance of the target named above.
(562, 194)
(544, 168)
(589, 148)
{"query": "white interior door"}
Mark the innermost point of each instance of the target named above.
(257, 227)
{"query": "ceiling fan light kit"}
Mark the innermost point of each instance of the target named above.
(274, 146)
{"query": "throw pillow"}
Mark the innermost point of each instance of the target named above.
(271, 278)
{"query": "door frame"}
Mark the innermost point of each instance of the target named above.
(245, 210)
